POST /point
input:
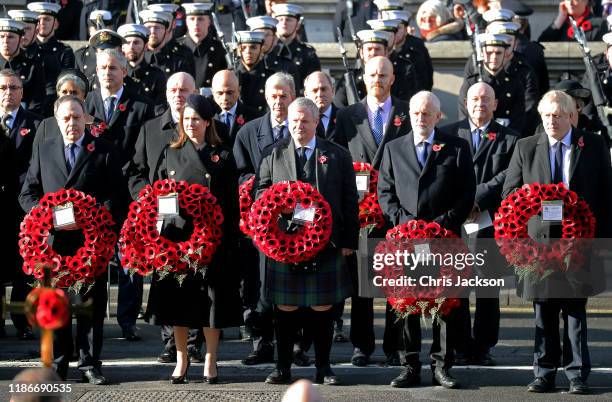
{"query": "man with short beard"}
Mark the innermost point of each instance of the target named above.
(207, 51)
(158, 53)
(14, 58)
(149, 81)
(252, 72)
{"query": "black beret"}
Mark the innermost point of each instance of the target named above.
(201, 105)
(573, 89)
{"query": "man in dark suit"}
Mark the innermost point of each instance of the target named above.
(19, 126)
(76, 160)
(318, 88)
(364, 128)
(155, 135)
(427, 175)
(303, 295)
(581, 161)
(251, 142)
(234, 113)
(492, 145)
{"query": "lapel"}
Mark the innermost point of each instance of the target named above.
(19, 123)
(432, 156)
(543, 158)
(320, 168)
(412, 159)
(289, 159)
(56, 148)
(331, 125)
(463, 130)
(576, 153)
(98, 105)
(485, 143)
(362, 124)
(116, 113)
(264, 134)
(84, 155)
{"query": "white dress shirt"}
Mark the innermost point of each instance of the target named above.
(386, 111)
(566, 152)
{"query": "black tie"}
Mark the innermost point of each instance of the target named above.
(321, 129)
(558, 175)
(4, 123)
(278, 132)
(71, 157)
(301, 161)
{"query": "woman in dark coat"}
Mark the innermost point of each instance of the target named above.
(211, 300)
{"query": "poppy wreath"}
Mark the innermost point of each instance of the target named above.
(245, 201)
(370, 213)
(308, 240)
(47, 308)
(144, 250)
(89, 261)
(426, 300)
(529, 256)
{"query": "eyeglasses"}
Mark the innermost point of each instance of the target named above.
(11, 87)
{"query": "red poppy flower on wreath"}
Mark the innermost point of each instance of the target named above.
(323, 159)
(245, 200)
(91, 147)
(102, 126)
(47, 308)
(144, 249)
(240, 120)
(214, 158)
(301, 245)
(89, 261)
(122, 107)
(24, 131)
(370, 213)
(529, 256)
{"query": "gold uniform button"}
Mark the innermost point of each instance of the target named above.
(299, 49)
(55, 49)
(24, 63)
(212, 48)
(263, 74)
(23, 77)
(146, 73)
(261, 91)
(509, 95)
(146, 89)
(207, 176)
(86, 53)
(507, 112)
(297, 63)
(507, 79)
(210, 65)
(167, 70)
(85, 67)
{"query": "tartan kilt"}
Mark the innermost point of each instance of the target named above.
(330, 284)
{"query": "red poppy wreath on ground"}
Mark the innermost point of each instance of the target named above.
(144, 250)
(526, 254)
(89, 261)
(47, 308)
(425, 299)
(308, 240)
(245, 200)
(370, 214)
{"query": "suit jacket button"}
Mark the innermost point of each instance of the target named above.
(172, 172)
(55, 49)
(86, 53)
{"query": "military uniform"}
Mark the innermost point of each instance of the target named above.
(303, 55)
(406, 80)
(279, 61)
(85, 59)
(209, 58)
(414, 50)
(59, 51)
(170, 60)
(31, 71)
(253, 84)
(340, 97)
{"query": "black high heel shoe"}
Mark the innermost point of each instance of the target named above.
(215, 379)
(182, 379)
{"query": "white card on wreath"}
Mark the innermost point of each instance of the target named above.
(159, 225)
(483, 221)
(167, 205)
(63, 217)
(552, 211)
(303, 215)
(363, 182)
(422, 248)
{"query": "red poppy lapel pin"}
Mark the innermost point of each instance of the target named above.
(323, 159)
(24, 131)
(122, 107)
(240, 120)
(581, 142)
(491, 136)
(91, 147)
(398, 119)
(214, 158)
(437, 147)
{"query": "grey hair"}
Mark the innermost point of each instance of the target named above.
(565, 102)
(424, 95)
(78, 81)
(67, 98)
(280, 79)
(305, 103)
(314, 73)
(436, 7)
(7, 72)
(116, 53)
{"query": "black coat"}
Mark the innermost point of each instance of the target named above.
(599, 29)
(34, 77)
(123, 127)
(171, 59)
(252, 85)
(443, 191)
(414, 49)
(244, 114)
(85, 60)
(330, 133)
(209, 57)
(22, 137)
(353, 130)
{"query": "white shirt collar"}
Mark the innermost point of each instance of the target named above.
(274, 123)
(117, 95)
(311, 144)
(79, 142)
(232, 110)
(373, 104)
(417, 139)
(473, 126)
(327, 112)
(567, 140)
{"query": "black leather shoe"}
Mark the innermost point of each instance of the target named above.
(279, 377)
(62, 372)
(339, 336)
(258, 358)
(245, 333)
(540, 384)
(360, 359)
(578, 387)
(462, 359)
(25, 334)
(301, 359)
(131, 335)
(393, 360)
(442, 377)
(409, 377)
(195, 356)
(326, 376)
(94, 376)
(167, 357)
(484, 359)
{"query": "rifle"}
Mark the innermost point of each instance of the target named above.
(352, 96)
(349, 13)
(136, 12)
(477, 57)
(229, 53)
(599, 98)
(244, 10)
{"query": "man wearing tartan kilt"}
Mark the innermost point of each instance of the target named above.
(303, 294)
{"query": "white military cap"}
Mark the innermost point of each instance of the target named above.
(384, 25)
(27, 16)
(160, 17)
(401, 15)
(128, 30)
(8, 25)
(499, 27)
(489, 39)
(502, 14)
(373, 36)
(198, 8)
(291, 10)
(104, 14)
(164, 7)
(262, 22)
(42, 7)
(250, 36)
(384, 5)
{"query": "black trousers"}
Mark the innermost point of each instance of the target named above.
(547, 349)
(260, 317)
(89, 331)
(485, 332)
(129, 300)
(441, 352)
